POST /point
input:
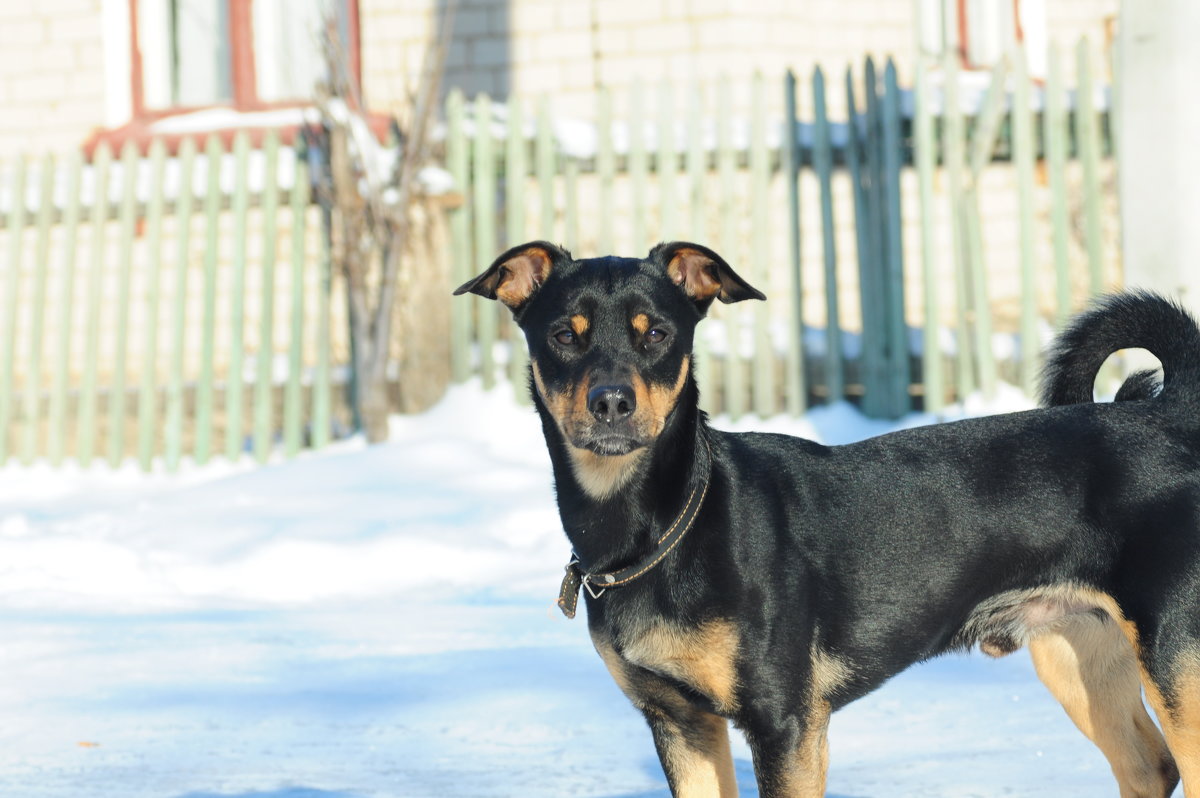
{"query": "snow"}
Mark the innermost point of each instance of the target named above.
(378, 621)
(436, 181)
(209, 119)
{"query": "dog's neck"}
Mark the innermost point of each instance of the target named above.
(614, 508)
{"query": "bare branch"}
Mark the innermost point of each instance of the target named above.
(369, 193)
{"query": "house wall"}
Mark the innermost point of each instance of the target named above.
(52, 83)
(568, 48)
(64, 63)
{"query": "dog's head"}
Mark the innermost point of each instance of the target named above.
(610, 339)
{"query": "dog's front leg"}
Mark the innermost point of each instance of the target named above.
(791, 753)
(693, 747)
(692, 744)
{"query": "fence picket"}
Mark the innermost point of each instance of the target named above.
(37, 308)
(895, 339)
(570, 170)
(835, 374)
(293, 400)
(987, 133)
(102, 170)
(925, 155)
(697, 166)
(515, 171)
(606, 167)
(234, 431)
(1115, 106)
(667, 163)
(764, 389)
(56, 443)
(147, 418)
(697, 163)
(990, 120)
(126, 230)
(173, 427)
(1088, 130)
(735, 382)
(638, 166)
(205, 385)
(1055, 133)
(322, 390)
(874, 271)
(795, 398)
(955, 158)
(264, 383)
(857, 149)
(1023, 157)
(980, 309)
(545, 167)
(462, 266)
(12, 284)
(483, 180)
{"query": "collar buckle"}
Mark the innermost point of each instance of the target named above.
(587, 584)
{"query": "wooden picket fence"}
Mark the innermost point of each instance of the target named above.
(687, 171)
(1009, 127)
(164, 307)
(175, 307)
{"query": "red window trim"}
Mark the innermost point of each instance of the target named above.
(964, 30)
(245, 90)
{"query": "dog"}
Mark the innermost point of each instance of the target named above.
(769, 580)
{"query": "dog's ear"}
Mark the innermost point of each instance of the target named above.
(702, 274)
(514, 276)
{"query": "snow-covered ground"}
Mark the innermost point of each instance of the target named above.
(379, 622)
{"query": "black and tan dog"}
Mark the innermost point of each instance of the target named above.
(769, 580)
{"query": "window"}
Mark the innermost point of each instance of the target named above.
(983, 30)
(185, 53)
(176, 68)
(242, 54)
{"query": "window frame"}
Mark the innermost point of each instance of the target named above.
(242, 66)
(964, 33)
(139, 126)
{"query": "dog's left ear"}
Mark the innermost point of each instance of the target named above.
(514, 276)
(702, 274)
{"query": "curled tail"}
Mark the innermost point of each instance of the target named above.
(1127, 320)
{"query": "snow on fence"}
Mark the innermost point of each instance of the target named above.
(876, 238)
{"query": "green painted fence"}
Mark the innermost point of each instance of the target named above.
(840, 221)
(152, 318)
(162, 307)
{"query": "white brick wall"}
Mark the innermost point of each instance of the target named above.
(51, 53)
(51, 74)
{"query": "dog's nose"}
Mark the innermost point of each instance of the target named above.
(610, 403)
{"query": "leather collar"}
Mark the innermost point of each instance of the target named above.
(598, 583)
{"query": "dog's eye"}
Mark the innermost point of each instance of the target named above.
(565, 337)
(656, 336)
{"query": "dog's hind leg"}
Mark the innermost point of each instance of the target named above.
(1177, 703)
(1091, 668)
